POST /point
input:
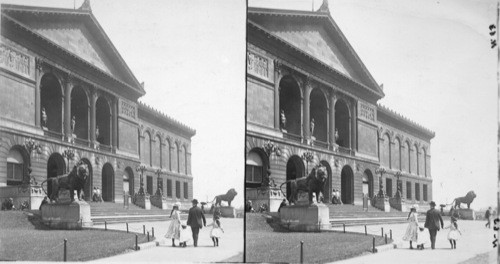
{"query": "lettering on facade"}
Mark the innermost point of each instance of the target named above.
(127, 110)
(257, 65)
(15, 61)
(366, 112)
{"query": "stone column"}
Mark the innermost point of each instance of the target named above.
(307, 105)
(333, 99)
(114, 123)
(93, 100)
(67, 108)
(277, 78)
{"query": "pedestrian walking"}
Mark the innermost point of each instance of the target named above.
(94, 194)
(185, 235)
(216, 232)
(413, 226)
(195, 218)
(173, 231)
(487, 215)
(454, 233)
(432, 222)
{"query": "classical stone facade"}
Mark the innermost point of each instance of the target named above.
(68, 96)
(311, 101)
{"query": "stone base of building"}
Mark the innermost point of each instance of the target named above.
(143, 201)
(381, 203)
(75, 215)
(466, 214)
(158, 201)
(271, 196)
(31, 194)
(398, 203)
(305, 218)
(228, 212)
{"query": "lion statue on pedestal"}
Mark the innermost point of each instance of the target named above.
(228, 197)
(467, 199)
(314, 183)
(75, 180)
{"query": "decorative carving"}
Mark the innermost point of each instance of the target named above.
(14, 61)
(257, 65)
(128, 110)
(39, 64)
(366, 112)
(98, 160)
(278, 66)
(120, 164)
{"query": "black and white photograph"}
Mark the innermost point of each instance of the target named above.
(371, 131)
(121, 131)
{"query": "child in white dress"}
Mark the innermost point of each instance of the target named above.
(423, 237)
(454, 233)
(216, 231)
(185, 236)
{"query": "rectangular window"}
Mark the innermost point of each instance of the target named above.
(408, 190)
(253, 174)
(186, 193)
(160, 184)
(169, 188)
(417, 191)
(425, 191)
(178, 189)
(14, 171)
(149, 185)
(388, 187)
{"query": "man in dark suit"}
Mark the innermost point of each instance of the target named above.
(432, 221)
(194, 220)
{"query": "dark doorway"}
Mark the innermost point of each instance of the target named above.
(108, 176)
(368, 183)
(319, 112)
(87, 189)
(103, 121)
(294, 170)
(128, 185)
(388, 186)
(347, 185)
(149, 185)
(290, 104)
(51, 101)
(342, 123)
(327, 192)
(55, 167)
(80, 110)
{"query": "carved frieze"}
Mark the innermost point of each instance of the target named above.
(366, 112)
(127, 110)
(16, 61)
(257, 65)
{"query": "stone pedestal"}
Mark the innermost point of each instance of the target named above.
(272, 196)
(305, 218)
(228, 212)
(382, 203)
(466, 214)
(159, 201)
(398, 203)
(143, 201)
(32, 194)
(74, 215)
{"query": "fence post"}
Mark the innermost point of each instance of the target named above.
(343, 224)
(385, 237)
(65, 250)
(143, 229)
(366, 233)
(382, 231)
(390, 231)
(153, 232)
(136, 242)
(373, 245)
(105, 226)
(127, 227)
(301, 251)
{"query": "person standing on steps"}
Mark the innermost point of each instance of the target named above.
(432, 221)
(194, 220)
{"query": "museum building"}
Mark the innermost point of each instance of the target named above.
(311, 101)
(68, 96)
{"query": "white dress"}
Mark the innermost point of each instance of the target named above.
(454, 232)
(174, 228)
(412, 231)
(216, 230)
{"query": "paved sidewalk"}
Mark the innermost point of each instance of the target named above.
(230, 244)
(475, 240)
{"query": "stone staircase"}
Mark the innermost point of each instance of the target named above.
(351, 215)
(115, 213)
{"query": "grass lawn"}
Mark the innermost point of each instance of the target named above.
(267, 242)
(24, 238)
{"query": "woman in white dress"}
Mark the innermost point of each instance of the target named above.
(216, 231)
(173, 231)
(413, 227)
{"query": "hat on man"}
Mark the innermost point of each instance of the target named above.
(194, 201)
(432, 203)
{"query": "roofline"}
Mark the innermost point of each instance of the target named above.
(323, 15)
(171, 121)
(400, 118)
(7, 7)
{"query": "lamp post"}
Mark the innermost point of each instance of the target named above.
(381, 192)
(69, 154)
(270, 148)
(308, 156)
(398, 184)
(30, 145)
(141, 168)
(158, 172)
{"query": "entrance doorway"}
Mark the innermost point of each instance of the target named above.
(327, 192)
(294, 170)
(55, 167)
(347, 185)
(368, 183)
(108, 176)
(87, 188)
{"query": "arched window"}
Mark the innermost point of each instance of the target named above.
(396, 154)
(254, 168)
(156, 152)
(80, 111)
(425, 161)
(51, 103)
(174, 159)
(408, 149)
(385, 149)
(166, 155)
(15, 167)
(290, 97)
(318, 113)
(103, 121)
(185, 160)
(178, 158)
(417, 165)
(146, 153)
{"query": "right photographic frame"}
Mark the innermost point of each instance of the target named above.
(371, 131)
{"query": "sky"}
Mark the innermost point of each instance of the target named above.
(191, 57)
(433, 57)
(437, 67)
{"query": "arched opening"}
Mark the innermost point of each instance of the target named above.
(255, 167)
(17, 166)
(342, 124)
(182, 162)
(424, 153)
(51, 103)
(108, 177)
(421, 162)
(290, 105)
(417, 154)
(166, 155)
(156, 152)
(146, 149)
(385, 147)
(128, 181)
(55, 167)
(408, 150)
(185, 160)
(80, 111)
(87, 188)
(178, 155)
(396, 155)
(347, 185)
(368, 183)
(319, 112)
(294, 169)
(174, 159)
(103, 121)
(327, 192)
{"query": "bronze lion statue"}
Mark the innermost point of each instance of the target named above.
(228, 197)
(75, 180)
(467, 199)
(314, 183)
